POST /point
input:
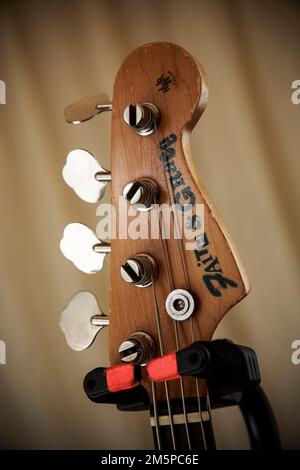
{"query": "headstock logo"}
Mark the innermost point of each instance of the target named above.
(212, 276)
(163, 82)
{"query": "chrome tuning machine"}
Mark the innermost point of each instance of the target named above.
(84, 174)
(142, 118)
(82, 247)
(82, 320)
(87, 108)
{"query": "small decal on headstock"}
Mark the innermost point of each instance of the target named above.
(163, 82)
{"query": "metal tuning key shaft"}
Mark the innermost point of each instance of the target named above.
(84, 174)
(87, 108)
(81, 246)
(82, 320)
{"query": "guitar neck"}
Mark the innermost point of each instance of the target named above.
(178, 427)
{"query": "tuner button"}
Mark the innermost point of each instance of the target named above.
(142, 193)
(139, 348)
(180, 304)
(143, 118)
(87, 108)
(81, 246)
(82, 320)
(83, 173)
(140, 270)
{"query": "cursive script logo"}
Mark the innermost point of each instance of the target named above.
(184, 197)
(213, 273)
(183, 194)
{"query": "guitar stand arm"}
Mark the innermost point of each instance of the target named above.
(232, 373)
(257, 413)
(118, 385)
(226, 366)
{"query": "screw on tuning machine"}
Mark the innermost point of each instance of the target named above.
(82, 320)
(143, 118)
(142, 193)
(139, 270)
(84, 174)
(81, 246)
(87, 108)
(138, 348)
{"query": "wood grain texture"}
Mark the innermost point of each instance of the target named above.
(133, 156)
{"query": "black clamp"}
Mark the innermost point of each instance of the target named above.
(226, 366)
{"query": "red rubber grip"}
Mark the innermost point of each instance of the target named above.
(163, 368)
(120, 377)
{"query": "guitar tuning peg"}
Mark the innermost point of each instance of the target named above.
(84, 174)
(87, 108)
(81, 246)
(82, 320)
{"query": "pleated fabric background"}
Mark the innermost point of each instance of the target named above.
(246, 150)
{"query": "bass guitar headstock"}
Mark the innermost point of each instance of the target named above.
(174, 269)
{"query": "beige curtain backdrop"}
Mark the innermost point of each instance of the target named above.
(246, 150)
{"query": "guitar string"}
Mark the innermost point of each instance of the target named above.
(161, 348)
(171, 288)
(171, 197)
(208, 406)
(199, 402)
(188, 287)
(157, 427)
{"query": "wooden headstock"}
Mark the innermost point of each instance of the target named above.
(167, 76)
